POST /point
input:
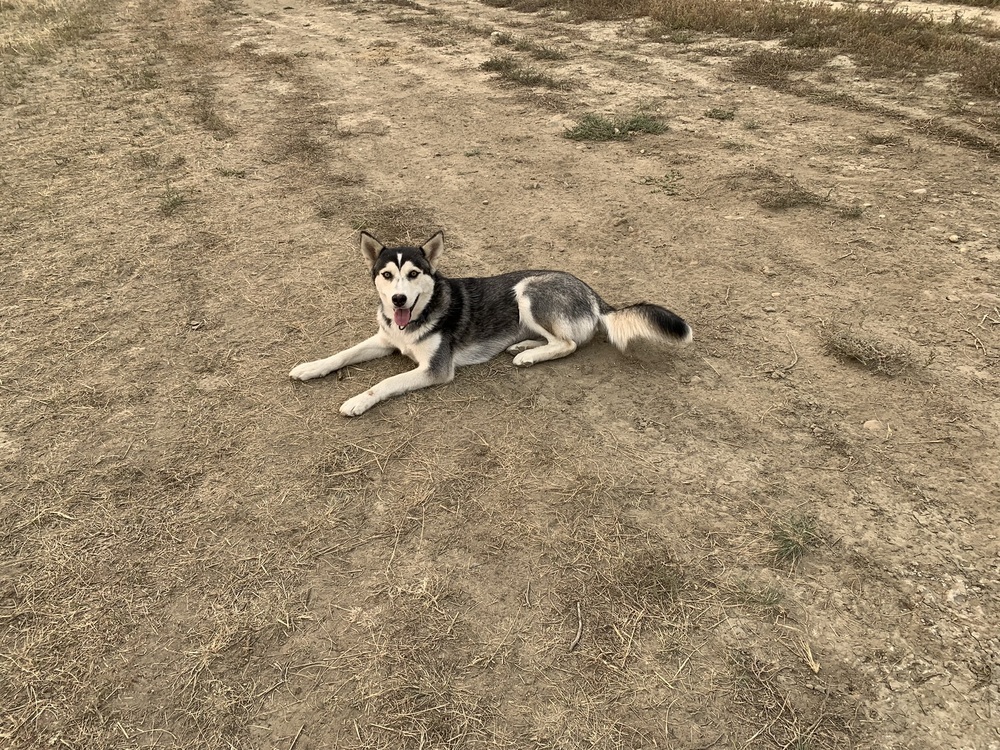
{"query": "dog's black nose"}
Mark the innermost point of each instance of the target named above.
(399, 300)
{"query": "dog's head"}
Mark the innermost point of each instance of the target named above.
(404, 276)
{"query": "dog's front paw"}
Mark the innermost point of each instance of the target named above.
(525, 359)
(310, 370)
(358, 405)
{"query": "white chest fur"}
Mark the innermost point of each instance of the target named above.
(410, 344)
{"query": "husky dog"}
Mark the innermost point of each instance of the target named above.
(443, 323)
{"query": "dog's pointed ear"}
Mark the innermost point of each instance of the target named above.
(370, 248)
(433, 247)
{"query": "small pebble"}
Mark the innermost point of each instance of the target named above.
(770, 309)
(954, 238)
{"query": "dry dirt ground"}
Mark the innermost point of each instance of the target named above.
(754, 541)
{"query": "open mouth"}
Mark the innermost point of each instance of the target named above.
(401, 315)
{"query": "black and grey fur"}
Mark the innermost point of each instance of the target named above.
(443, 323)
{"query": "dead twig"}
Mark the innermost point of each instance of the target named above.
(579, 628)
(795, 354)
(979, 344)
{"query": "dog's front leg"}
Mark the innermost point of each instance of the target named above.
(376, 346)
(421, 377)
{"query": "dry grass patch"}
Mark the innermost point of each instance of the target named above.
(883, 139)
(37, 27)
(794, 536)
(880, 353)
(773, 191)
(539, 51)
(886, 39)
(172, 201)
(593, 127)
(509, 69)
(523, 44)
(393, 224)
(409, 661)
(974, 3)
(786, 713)
(772, 68)
(754, 596)
(208, 116)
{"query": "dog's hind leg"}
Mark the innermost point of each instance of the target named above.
(523, 346)
(554, 349)
(557, 309)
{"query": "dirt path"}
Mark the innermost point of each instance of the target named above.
(758, 541)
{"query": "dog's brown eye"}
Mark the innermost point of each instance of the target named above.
(413, 274)
(386, 275)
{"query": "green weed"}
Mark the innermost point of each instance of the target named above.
(720, 114)
(794, 536)
(171, 201)
(598, 128)
(509, 69)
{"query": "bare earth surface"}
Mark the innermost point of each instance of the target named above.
(197, 552)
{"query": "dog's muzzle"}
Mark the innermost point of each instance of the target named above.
(401, 315)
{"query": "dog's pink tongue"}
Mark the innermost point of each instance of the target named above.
(401, 316)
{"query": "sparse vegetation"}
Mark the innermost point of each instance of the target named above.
(791, 195)
(668, 184)
(794, 536)
(735, 146)
(404, 222)
(171, 201)
(523, 44)
(38, 27)
(749, 594)
(884, 139)
(773, 191)
(886, 39)
(593, 127)
(539, 51)
(206, 115)
(511, 70)
(720, 114)
(879, 353)
(772, 67)
(146, 159)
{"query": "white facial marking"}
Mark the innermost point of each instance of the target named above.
(418, 290)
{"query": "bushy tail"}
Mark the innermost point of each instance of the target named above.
(644, 321)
